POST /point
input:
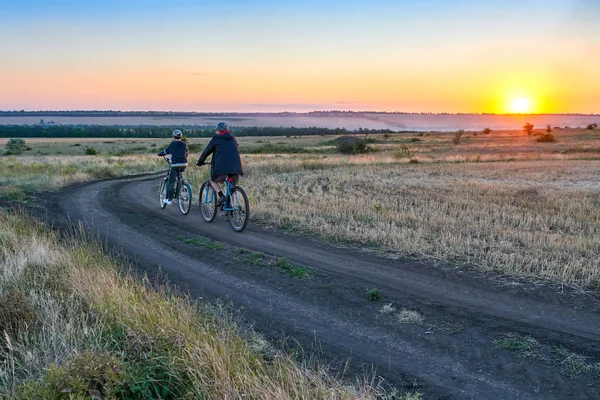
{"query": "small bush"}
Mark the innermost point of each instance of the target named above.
(90, 151)
(402, 152)
(457, 135)
(528, 128)
(546, 138)
(592, 126)
(487, 131)
(373, 294)
(548, 128)
(89, 375)
(352, 145)
(15, 146)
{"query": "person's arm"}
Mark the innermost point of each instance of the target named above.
(166, 151)
(207, 151)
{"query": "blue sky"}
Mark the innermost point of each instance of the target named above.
(415, 55)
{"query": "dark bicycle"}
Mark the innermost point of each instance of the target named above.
(182, 191)
(237, 206)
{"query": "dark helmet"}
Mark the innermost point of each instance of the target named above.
(177, 133)
(222, 127)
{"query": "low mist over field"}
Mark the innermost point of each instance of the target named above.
(348, 120)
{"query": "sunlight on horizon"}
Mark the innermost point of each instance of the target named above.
(521, 105)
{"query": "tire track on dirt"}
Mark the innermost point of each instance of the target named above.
(462, 365)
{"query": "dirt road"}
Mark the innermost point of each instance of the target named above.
(452, 353)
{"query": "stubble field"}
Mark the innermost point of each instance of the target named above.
(500, 202)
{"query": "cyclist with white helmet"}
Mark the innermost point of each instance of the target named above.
(226, 161)
(178, 149)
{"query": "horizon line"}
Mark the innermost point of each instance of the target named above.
(38, 112)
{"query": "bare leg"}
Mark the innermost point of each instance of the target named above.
(216, 187)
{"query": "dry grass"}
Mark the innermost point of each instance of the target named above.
(538, 219)
(405, 316)
(107, 334)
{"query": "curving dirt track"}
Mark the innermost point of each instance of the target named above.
(451, 355)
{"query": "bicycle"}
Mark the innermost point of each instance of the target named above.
(237, 206)
(182, 191)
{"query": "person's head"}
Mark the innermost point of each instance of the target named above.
(222, 127)
(177, 134)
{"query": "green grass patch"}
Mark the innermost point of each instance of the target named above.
(201, 242)
(525, 345)
(282, 264)
(13, 193)
(573, 363)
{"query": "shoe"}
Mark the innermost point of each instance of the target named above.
(167, 202)
(221, 201)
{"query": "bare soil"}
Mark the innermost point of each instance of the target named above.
(451, 354)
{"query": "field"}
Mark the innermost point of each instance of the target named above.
(352, 121)
(501, 203)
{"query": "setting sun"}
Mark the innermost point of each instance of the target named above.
(520, 105)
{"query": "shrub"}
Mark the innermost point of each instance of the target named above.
(487, 131)
(592, 126)
(90, 151)
(373, 294)
(15, 146)
(402, 152)
(528, 128)
(548, 128)
(352, 145)
(546, 138)
(89, 375)
(457, 135)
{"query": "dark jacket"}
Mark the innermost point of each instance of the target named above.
(178, 149)
(226, 157)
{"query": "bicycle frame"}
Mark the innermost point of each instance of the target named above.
(229, 185)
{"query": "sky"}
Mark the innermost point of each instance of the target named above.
(456, 56)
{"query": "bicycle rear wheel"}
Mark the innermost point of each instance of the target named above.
(162, 193)
(208, 202)
(185, 198)
(238, 217)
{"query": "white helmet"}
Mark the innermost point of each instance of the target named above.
(177, 133)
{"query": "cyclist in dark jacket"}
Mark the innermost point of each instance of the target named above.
(226, 159)
(178, 149)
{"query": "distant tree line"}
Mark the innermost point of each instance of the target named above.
(103, 131)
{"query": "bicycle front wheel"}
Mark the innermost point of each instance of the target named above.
(238, 217)
(185, 198)
(162, 193)
(208, 202)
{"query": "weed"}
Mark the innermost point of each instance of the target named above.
(373, 294)
(284, 265)
(525, 345)
(573, 363)
(90, 151)
(387, 309)
(409, 317)
(200, 242)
